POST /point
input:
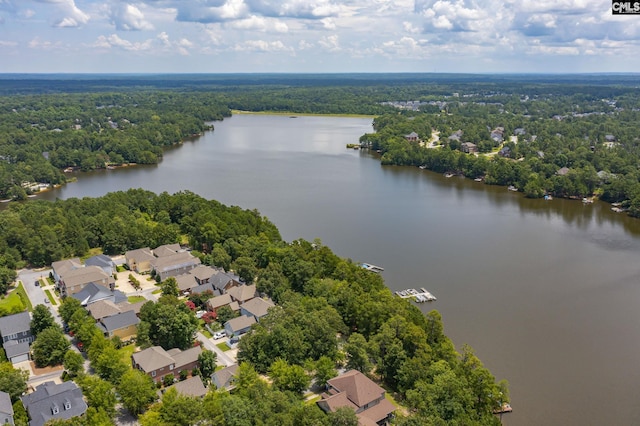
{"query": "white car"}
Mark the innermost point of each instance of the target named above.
(219, 335)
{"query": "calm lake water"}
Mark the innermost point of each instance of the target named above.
(546, 292)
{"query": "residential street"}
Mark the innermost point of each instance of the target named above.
(224, 358)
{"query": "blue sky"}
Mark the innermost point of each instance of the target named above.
(221, 36)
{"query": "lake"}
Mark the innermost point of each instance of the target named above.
(546, 292)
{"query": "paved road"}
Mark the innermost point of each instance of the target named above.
(35, 293)
(209, 344)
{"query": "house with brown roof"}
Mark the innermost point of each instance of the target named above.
(242, 293)
(157, 363)
(203, 274)
(412, 137)
(356, 391)
(192, 387)
(75, 280)
(217, 302)
(61, 267)
(468, 147)
(166, 250)
(139, 260)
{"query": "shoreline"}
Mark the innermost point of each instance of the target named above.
(299, 114)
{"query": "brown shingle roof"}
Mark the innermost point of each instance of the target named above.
(358, 387)
(242, 293)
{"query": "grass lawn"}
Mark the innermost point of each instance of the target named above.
(16, 300)
(136, 299)
(223, 346)
(313, 400)
(206, 333)
(50, 281)
(126, 352)
(51, 298)
(156, 291)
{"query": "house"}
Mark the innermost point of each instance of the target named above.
(219, 301)
(102, 261)
(563, 171)
(123, 324)
(356, 391)
(505, 151)
(75, 280)
(239, 325)
(54, 401)
(157, 363)
(468, 147)
(17, 351)
(204, 288)
(175, 264)
(256, 307)
(225, 378)
(497, 134)
(92, 293)
(61, 267)
(203, 274)
(242, 293)
(412, 137)
(186, 282)
(6, 409)
(455, 136)
(166, 250)
(223, 281)
(192, 387)
(609, 138)
(139, 260)
(519, 132)
(106, 307)
(16, 327)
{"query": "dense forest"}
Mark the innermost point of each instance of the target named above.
(330, 312)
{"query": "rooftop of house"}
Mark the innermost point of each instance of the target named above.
(257, 306)
(166, 250)
(242, 293)
(51, 400)
(203, 272)
(119, 321)
(100, 260)
(186, 281)
(192, 386)
(218, 301)
(14, 348)
(239, 323)
(156, 357)
(175, 261)
(63, 266)
(5, 403)
(85, 275)
(92, 293)
(223, 376)
(140, 255)
(14, 324)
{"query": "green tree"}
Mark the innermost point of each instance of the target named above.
(170, 287)
(50, 347)
(41, 319)
(7, 276)
(325, 370)
(225, 313)
(73, 363)
(287, 377)
(137, 391)
(20, 416)
(171, 323)
(68, 307)
(343, 416)
(99, 394)
(13, 381)
(357, 356)
(207, 362)
(245, 268)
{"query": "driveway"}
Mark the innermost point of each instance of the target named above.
(225, 358)
(35, 293)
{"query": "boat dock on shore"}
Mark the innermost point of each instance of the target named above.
(372, 268)
(419, 296)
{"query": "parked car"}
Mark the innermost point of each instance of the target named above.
(219, 335)
(46, 300)
(37, 283)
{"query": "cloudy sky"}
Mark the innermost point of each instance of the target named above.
(221, 36)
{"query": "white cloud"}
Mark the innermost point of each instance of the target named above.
(262, 46)
(330, 43)
(209, 11)
(72, 16)
(114, 41)
(8, 43)
(259, 23)
(38, 43)
(128, 17)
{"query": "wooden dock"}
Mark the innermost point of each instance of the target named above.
(419, 296)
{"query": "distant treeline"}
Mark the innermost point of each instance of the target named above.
(330, 309)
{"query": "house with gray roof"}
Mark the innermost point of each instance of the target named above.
(157, 363)
(223, 281)
(16, 327)
(92, 293)
(123, 324)
(256, 307)
(239, 325)
(174, 264)
(166, 250)
(17, 351)
(6, 409)
(225, 378)
(203, 273)
(203, 289)
(186, 282)
(102, 261)
(54, 401)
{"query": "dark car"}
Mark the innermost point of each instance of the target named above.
(37, 283)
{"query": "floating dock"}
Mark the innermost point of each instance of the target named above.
(372, 268)
(419, 296)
